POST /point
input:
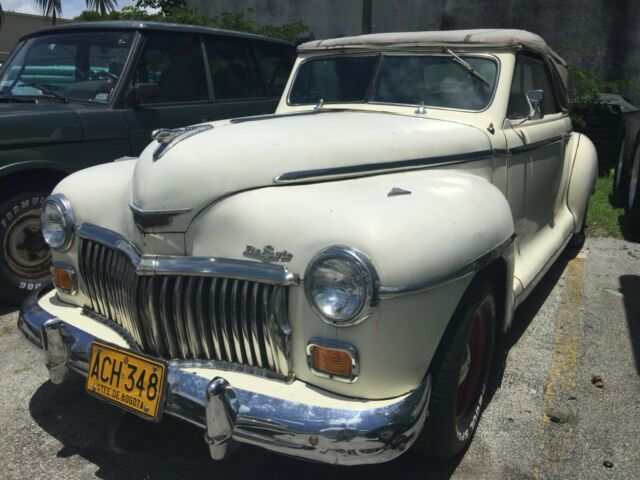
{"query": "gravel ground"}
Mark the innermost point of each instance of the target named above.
(569, 401)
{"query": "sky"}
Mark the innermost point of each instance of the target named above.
(70, 8)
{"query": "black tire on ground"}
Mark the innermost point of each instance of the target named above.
(24, 257)
(460, 374)
(632, 207)
(621, 173)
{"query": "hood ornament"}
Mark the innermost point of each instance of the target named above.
(267, 254)
(168, 137)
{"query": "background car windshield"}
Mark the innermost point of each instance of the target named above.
(436, 80)
(82, 66)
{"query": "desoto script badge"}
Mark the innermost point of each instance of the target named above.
(267, 254)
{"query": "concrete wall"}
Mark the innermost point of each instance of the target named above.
(16, 25)
(606, 32)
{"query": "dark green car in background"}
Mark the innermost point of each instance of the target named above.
(77, 95)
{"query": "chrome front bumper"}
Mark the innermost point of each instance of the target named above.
(325, 427)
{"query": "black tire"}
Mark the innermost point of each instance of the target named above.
(24, 257)
(632, 207)
(454, 409)
(621, 174)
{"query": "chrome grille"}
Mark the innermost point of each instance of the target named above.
(189, 317)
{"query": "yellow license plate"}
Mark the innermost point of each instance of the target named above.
(129, 380)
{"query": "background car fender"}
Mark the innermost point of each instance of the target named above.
(418, 228)
(583, 175)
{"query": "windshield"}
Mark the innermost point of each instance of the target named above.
(435, 80)
(73, 65)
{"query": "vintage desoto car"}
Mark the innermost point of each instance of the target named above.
(334, 281)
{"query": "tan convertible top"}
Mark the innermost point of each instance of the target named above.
(449, 38)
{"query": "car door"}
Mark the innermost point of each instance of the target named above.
(238, 87)
(536, 165)
(171, 73)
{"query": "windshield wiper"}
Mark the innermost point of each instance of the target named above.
(46, 90)
(467, 67)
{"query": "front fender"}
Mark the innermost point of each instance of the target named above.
(439, 223)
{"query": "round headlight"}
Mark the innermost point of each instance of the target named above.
(340, 284)
(56, 221)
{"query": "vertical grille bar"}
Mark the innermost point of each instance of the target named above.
(192, 328)
(178, 315)
(258, 346)
(203, 320)
(245, 324)
(214, 316)
(233, 320)
(165, 312)
(225, 327)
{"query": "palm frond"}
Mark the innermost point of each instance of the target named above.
(50, 9)
(102, 6)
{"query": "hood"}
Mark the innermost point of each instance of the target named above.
(40, 122)
(244, 154)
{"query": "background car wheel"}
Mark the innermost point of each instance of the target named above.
(24, 256)
(621, 176)
(632, 207)
(460, 375)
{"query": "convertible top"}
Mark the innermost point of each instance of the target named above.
(482, 38)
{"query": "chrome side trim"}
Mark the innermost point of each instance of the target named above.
(147, 264)
(378, 168)
(335, 345)
(478, 264)
(355, 434)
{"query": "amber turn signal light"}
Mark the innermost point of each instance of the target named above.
(64, 278)
(332, 362)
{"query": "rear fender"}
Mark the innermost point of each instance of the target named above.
(584, 170)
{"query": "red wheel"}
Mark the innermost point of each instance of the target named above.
(460, 373)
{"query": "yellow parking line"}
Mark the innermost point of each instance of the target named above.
(559, 410)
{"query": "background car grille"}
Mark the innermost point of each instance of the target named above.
(188, 317)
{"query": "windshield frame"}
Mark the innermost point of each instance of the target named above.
(117, 87)
(399, 53)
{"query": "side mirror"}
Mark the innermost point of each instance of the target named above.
(534, 99)
(142, 93)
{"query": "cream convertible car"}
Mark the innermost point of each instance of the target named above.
(333, 281)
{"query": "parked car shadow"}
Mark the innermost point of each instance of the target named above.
(630, 288)
(124, 446)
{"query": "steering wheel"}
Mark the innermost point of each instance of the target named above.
(101, 74)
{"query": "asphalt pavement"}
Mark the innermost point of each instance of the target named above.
(568, 405)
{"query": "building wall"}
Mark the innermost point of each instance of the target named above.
(16, 25)
(600, 34)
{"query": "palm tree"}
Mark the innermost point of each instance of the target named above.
(53, 8)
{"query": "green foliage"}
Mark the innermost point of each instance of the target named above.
(164, 6)
(170, 11)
